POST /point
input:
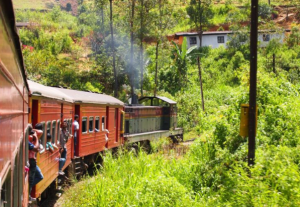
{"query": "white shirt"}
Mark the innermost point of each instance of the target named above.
(76, 127)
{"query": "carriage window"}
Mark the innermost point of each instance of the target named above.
(53, 131)
(103, 123)
(70, 126)
(44, 134)
(97, 124)
(48, 127)
(58, 131)
(91, 124)
(84, 125)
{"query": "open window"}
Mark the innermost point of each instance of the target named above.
(43, 137)
(103, 123)
(84, 125)
(97, 124)
(70, 125)
(91, 124)
(53, 131)
(58, 131)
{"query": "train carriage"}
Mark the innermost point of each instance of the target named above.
(99, 121)
(49, 107)
(13, 112)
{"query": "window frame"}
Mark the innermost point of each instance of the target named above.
(97, 118)
(43, 137)
(266, 37)
(91, 118)
(103, 123)
(193, 40)
(221, 39)
(58, 131)
(84, 118)
(53, 136)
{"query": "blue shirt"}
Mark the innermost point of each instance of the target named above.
(30, 146)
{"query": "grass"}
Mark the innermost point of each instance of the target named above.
(35, 4)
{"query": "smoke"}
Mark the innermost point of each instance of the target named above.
(131, 61)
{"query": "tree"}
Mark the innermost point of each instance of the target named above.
(181, 56)
(294, 38)
(200, 12)
(162, 22)
(272, 48)
(113, 50)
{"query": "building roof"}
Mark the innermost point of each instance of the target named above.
(204, 33)
(218, 32)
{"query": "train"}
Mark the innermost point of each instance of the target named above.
(105, 122)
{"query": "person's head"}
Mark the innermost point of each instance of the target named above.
(65, 125)
(49, 137)
(76, 117)
(38, 126)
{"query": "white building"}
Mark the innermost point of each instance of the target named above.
(217, 38)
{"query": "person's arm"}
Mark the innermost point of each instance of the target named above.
(51, 148)
(61, 138)
(39, 133)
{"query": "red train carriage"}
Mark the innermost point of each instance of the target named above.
(50, 107)
(13, 112)
(99, 121)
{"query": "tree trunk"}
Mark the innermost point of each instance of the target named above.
(113, 51)
(131, 72)
(274, 71)
(141, 45)
(156, 67)
(200, 77)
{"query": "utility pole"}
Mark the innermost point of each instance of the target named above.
(253, 80)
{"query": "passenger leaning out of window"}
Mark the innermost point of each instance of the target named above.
(35, 174)
(63, 139)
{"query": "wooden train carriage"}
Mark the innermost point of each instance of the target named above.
(13, 112)
(99, 121)
(50, 107)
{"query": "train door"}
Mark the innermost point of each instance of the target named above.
(76, 145)
(34, 114)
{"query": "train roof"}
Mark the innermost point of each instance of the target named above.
(37, 89)
(90, 97)
(73, 96)
(7, 12)
(164, 99)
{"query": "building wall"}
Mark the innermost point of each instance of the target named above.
(209, 40)
(212, 39)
